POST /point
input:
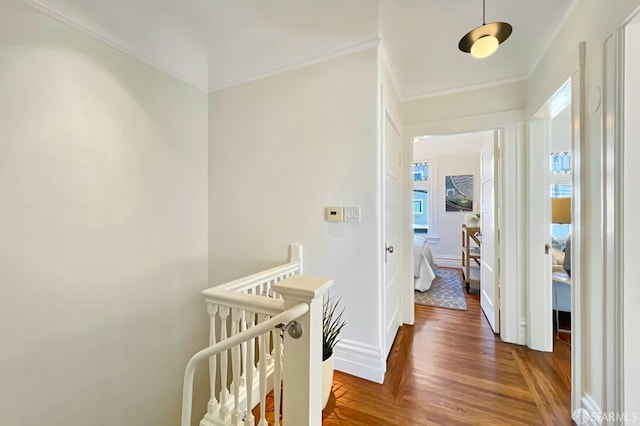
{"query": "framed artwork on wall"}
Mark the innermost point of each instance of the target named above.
(458, 193)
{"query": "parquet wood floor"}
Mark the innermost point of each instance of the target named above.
(450, 369)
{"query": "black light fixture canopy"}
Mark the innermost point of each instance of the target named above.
(494, 34)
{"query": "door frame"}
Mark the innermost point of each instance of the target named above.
(544, 340)
(495, 268)
(612, 199)
(510, 125)
(386, 346)
(539, 288)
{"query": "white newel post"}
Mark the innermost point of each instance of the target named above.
(302, 369)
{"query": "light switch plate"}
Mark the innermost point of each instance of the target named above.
(333, 214)
(352, 214)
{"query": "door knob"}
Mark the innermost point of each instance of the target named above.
(387, 249)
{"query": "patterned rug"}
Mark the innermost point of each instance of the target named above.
(445, 292)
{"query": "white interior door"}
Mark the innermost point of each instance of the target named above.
(392, 230)
(489, 291)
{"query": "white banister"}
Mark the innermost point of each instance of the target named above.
(302, 373)
(187, 392)
(293, 267)
(248, 357)
(245, 301)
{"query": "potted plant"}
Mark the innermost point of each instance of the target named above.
(332, 324)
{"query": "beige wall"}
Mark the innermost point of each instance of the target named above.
(103, 224)
(283, 148)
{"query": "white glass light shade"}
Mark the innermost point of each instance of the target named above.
(484, 46)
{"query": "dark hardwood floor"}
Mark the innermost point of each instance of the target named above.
(450, 369)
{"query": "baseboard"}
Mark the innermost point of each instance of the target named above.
(448, 261)
(522, 332)
(360, 360)
(589, 413)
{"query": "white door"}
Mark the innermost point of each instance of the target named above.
(489, 291)
(392, 230)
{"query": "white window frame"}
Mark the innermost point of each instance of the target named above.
(433, 197)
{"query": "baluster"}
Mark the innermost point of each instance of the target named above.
(224, 313)
(271, 283)
(213, 401)
(235, 366)
(262, 348)
(249, 367)
(277, 378)
(243, 349)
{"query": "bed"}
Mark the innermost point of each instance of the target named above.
(423, 265)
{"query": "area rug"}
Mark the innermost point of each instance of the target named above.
(445, 292)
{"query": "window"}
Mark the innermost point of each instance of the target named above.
(561, 163)
(421, 189)
(417, 206)
(560, 188)
(420, 171)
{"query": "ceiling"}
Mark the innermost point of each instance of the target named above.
(217, 43)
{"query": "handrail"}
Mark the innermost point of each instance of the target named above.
(256, 278)
(250, 302)
(187, 390)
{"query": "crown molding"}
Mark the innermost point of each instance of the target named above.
(104, 40)
(463, 89)
(315, 60)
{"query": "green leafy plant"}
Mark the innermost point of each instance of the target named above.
(332, 324)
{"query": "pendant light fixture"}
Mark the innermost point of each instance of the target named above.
(484, 40)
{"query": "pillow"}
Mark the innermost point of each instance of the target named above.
(557, 257)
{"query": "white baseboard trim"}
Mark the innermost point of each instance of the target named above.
(589, 414)
(448, 261)
(360, 360)
(522, 332)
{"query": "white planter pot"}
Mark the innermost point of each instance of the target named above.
(471, 220)
(327, 380)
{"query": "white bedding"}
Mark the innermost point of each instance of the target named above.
(423, 264)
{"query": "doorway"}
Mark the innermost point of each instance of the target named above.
(510, 196)
(553, 196)
(453, 181)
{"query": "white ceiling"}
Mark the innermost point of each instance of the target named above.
(217, 43)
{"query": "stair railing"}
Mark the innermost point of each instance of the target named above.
(247, 348)
(227, 344)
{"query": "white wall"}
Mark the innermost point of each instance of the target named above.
(561, 131)
(283, 148)
(449, 156)
(103, 182)
(631, 226)
(591, 21)
(493, 99)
